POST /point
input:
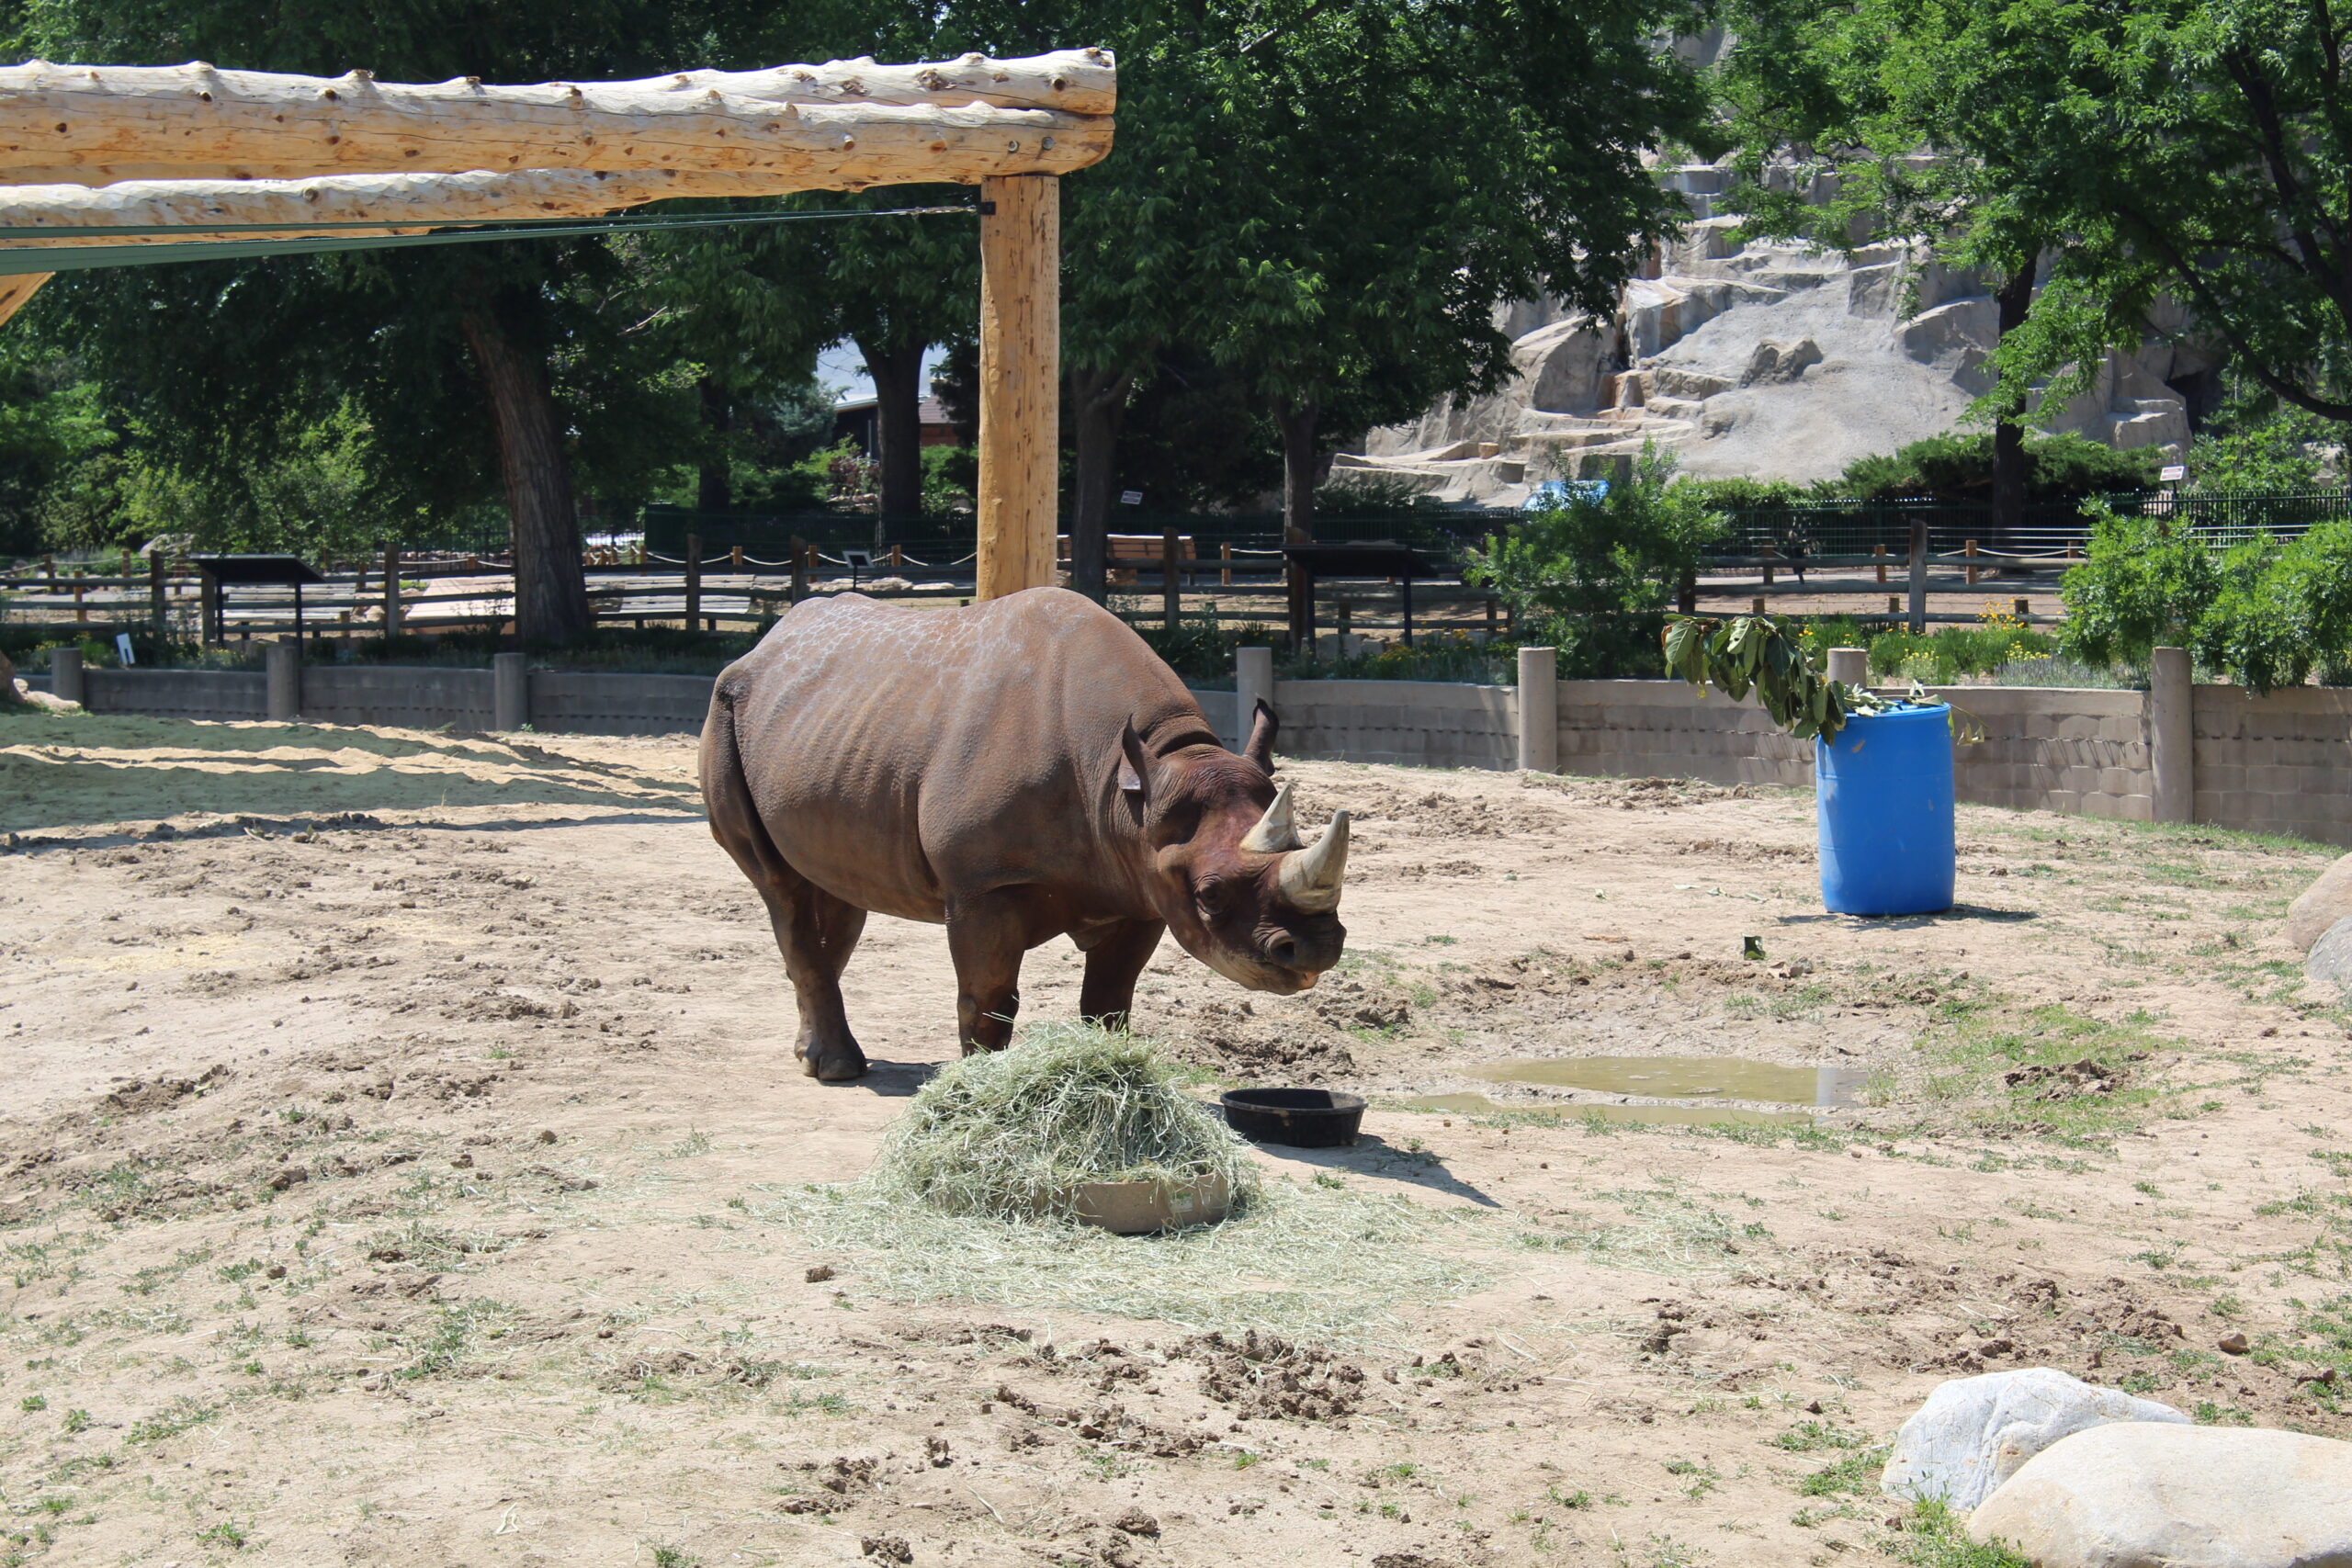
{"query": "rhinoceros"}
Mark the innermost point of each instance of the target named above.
(1018, 770)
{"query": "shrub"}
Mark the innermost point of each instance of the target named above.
(1597, 575)
(1959, 467)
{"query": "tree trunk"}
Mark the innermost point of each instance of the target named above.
(550, 590)
(2014, 299)
(9, 697)
(898, 432)
(714, 487)
(1098, 408)
(1297, 422)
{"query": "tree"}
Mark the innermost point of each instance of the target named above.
(2199, 151)
(2161, 156)
(895, 286)
(1860, 98)
(230, 362)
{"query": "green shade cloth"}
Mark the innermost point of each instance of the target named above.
(17, 256)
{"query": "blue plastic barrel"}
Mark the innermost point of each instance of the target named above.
(1884, 792)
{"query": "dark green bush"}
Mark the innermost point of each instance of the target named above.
(1959, 467)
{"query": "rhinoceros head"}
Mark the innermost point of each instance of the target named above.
(1237, 886)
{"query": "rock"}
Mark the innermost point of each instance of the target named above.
(1772, 363)
(2140, 1495)
(1973, 1433)
(2233, 1345)
(2330, 958)
(2323, 904)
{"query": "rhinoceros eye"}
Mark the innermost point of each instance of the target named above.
(1210, 896)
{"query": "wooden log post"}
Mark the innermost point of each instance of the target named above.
(1225, 565)
(2024, 608)
(1878, 554)
(1020, 382)
(1919, 576)
(799, 570)
(694, 581)
(159, 593)
(1171, 591)
(1770, 554)
(391, 591)
(735, 557)
(1968, 549)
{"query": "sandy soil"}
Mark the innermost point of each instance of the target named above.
(389, 1177)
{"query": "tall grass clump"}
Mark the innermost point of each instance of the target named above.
(1013, 1134)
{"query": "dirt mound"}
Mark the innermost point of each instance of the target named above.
(1259, 1375)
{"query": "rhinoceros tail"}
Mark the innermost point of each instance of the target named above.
(727, 794)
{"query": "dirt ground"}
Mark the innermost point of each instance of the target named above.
(395, 1127)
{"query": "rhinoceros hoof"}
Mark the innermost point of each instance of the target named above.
(833, 1064)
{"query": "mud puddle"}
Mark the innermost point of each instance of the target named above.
(1682, 1077)
(1652, 1115)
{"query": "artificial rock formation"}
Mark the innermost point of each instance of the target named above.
(1758, 359)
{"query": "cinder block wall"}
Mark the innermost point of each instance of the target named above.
(402, 697)
(1425, 724)
(176, 693)
(1668, 730)
(2279, 764)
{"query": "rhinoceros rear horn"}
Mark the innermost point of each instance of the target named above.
(1274, 834)
(1310, 878)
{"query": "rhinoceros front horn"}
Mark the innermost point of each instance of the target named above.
(1310, 878)
(1274, 834)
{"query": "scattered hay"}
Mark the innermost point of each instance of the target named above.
(968, 1201)
(1013, 1134)
(1305, 1262)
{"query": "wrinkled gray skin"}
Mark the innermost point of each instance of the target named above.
(1019, 770)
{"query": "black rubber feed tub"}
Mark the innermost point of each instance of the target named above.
(1302, 1118)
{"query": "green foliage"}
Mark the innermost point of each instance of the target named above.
(1935, 1537)
(1941, 657)
(2266, 614)
(1597, 575)
(1958, 466)
(1759, 653)
(2143, 583)
(2254, 443)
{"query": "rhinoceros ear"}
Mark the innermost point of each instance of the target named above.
(1261, 747)
(1135, 767)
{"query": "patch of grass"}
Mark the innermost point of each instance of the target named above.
(1976, 1042)
(228, 1533)
(178, 1417)
(1934, 1538)
(1856, 1475)
(1811, 1437)
(455, 1333)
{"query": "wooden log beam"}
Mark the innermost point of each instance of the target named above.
(95, 125)
(1020, 252)
(18, 288)
(402, 203)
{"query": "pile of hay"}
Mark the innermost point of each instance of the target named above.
(1011, 1134)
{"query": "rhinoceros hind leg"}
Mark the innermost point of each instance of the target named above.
(817, 934)
(1114, 960)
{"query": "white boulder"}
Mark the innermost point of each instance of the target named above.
(2165, 1496)
(1973, 1433)
(2321, 905)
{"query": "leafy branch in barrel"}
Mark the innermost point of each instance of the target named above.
(1757, 653)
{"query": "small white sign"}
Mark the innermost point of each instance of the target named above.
(2174, 474)
(122, 647)
(1131, 498)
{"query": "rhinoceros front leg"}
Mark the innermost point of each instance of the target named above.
(817, 934)
(1114, 960)
(986, 937)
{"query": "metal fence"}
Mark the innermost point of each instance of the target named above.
(2048, 529)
